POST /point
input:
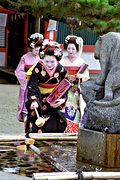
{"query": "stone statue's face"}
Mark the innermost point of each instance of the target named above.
(97, 49)
(71, 49)
(35, 51)
(50, 62)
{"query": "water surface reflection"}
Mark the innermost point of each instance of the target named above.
(27, 162)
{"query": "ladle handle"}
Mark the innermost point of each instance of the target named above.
(36, 111)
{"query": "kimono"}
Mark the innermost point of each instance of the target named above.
(25, 63)
(73, 104)
(41, 83)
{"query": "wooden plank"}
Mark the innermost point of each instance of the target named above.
(117, 160)
(112, 155)
(110, 150)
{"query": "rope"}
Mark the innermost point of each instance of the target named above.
(80, 175)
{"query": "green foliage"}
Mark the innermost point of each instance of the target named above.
(98, 15)
(113, 2)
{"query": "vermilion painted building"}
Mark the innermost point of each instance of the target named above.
(13, 36)
(15, 30)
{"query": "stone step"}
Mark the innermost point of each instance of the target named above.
(6, 176)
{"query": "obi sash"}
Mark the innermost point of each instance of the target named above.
(47, 88)
(74, 70)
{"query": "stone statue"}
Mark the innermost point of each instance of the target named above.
(102, 112)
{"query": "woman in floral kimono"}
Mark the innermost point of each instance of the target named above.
(44, 78)
(27, 60)
(73, 63)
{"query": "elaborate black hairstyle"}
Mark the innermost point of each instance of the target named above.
(52, 48)
(36, 40)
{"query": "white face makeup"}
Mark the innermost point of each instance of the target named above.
(71, 49)
(35, 51)
(50, 62)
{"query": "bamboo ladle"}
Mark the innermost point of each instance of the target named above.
(29, 141)
(41, 120)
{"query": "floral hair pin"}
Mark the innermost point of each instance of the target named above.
(36, 36)
(48, 42)
(35, 39)
(77, 39)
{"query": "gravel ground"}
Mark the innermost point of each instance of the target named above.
(8, 109)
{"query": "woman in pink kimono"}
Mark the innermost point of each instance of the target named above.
(73, 63)
(27, 60)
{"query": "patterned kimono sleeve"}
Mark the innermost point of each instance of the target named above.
(20, 72)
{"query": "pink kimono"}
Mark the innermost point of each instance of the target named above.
(25, 63)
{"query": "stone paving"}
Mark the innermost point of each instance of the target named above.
(8, 110)
(8, 176)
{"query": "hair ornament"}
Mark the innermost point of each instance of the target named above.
(35, 39)
(58, 52)
(48, 42)
(32, 45)
(77, 39)
(53, 45)
(37, 36)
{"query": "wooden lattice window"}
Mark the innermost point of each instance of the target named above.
(3, 19)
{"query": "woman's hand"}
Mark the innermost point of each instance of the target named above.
(82, 76)
(72, 78)
(34, 105)
(79, 76)
(58, 103)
